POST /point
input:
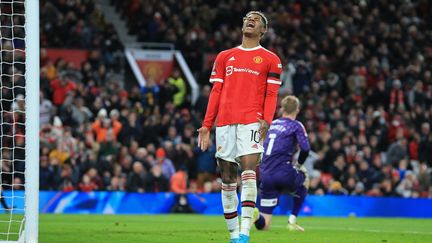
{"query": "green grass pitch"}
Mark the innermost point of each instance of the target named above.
(200, 228)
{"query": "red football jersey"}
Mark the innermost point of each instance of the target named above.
(246, 82)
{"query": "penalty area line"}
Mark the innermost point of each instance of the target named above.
(358, 230)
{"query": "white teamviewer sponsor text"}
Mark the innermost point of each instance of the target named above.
(231, 69)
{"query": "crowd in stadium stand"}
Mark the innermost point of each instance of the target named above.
(12, 127)
(360, 68)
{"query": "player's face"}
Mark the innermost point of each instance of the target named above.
(253, 25)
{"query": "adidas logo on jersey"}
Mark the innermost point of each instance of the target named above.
(231, 59)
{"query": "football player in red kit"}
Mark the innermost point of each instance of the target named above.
(243, 101)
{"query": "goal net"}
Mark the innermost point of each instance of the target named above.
(19, 120)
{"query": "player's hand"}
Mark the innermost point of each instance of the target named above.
(300, 167)
(263, 128)
(203, 138)
(303, 169)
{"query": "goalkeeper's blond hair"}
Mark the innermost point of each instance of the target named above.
(290, 104)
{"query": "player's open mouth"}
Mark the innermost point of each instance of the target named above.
(250, 25)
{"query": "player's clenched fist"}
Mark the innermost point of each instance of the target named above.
(203, 138)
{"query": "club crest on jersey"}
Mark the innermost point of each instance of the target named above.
(258, 59)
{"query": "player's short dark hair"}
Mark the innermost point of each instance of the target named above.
(290, 104)
(263, 17)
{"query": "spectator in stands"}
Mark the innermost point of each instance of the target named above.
(178, 182)
(86, 185)
(397, 97)
(66, 180)
(131, 129)
(359, 189)
(61, 89)
(407, 186)
(397, 151)
(387, 189)
(95, 178)
(316, 186)
(177, 81)
(150, 93)
(109, 146)
(172, 136)
(365, 174)
(165, 163)
(45, 110)
(425, 179)
(337, 170)
(425, 149)
(60, 153)
(350, 185)
(331, 155)
(18, 184)
(337, 189)
(141, 156)
(80, 113)
(156, 181)
(116, 184)
(302, 78)
(46, 175)
(166, 94)
(103, 125)
(118, 181)
(136, 179)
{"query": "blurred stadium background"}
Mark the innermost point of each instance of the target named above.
(124, 86)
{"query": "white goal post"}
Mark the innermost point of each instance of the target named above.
(19, 135)
(32, 122)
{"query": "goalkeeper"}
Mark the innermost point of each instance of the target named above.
(278, 172)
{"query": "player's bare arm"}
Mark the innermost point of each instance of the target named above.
(211, 113)
(203, 138)
(263, 129)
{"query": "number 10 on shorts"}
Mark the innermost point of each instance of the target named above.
(254, 136)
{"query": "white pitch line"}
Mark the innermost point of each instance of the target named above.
(358, 230)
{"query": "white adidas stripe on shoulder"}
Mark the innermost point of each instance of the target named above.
(270, 52)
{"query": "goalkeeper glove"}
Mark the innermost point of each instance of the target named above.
(302, 169)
